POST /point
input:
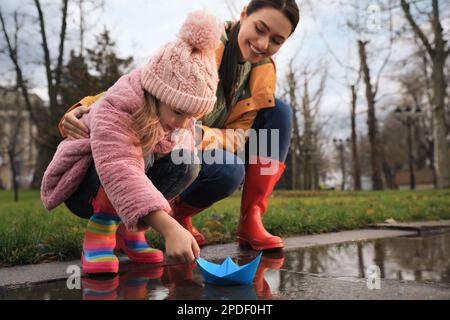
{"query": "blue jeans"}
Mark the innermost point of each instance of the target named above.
(168, 178)
(218, 181)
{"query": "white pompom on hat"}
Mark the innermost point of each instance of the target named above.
(183, 73)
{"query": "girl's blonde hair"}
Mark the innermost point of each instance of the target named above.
(146, 123)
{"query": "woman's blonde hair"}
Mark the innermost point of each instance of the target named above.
(146, 123)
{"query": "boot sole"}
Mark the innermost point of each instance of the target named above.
(99, 267)
(245, 243)
(154, 257)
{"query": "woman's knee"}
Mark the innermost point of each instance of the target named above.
(215, 182)
(279, 117)
(231, 178)
(191, 173)
(283, 112)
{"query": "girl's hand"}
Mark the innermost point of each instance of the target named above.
(74, 128)
(181, 246)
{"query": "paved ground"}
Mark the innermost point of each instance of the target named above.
(422, 227)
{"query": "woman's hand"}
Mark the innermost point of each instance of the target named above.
(74, 128)
(181, 246)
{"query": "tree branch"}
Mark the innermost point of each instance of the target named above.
(19, 75)
(47, 61)
(416, 28)
(388, 56)
(61, 47)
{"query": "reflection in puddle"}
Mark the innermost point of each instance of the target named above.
(403, 258)
(417, 259)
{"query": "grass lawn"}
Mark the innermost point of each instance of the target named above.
(31, 234)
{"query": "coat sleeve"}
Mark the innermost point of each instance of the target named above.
(232, 140)
(120, 165)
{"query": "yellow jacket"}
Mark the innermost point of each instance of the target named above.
(261, 94)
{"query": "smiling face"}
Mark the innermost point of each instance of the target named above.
(172, 118)
(262, 34)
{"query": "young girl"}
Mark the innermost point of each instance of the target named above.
(245, 100)
(131, 126)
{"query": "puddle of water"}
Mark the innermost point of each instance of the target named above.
(406, 258)
(403, 258)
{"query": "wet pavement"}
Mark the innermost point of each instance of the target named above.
(410, 267)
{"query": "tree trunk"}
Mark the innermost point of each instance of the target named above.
(343, 170)
(430, 152)
(389, 175)
(12, 165)
(44, 157)
(356, 168)
(294, 157)
(316, 175)
(295, 173)
(377, 182)
(441, 150)
(307, 138)
(440, 133)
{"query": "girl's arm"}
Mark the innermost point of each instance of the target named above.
(180, 244)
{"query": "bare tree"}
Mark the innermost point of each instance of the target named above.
(310, 110)
(372, 124)
(438, 53)
(305, 149)
(360, 27)
(416, 96)
(47, 137)
(291, 93)
(10, 143)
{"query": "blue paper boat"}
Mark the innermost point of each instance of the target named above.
(228, 273)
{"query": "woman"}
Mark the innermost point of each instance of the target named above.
(245, 100)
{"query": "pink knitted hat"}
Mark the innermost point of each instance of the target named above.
(183, 73)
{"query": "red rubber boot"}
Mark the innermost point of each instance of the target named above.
(260, 179)
(134, 283)
(183, 213)
(262, 288)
